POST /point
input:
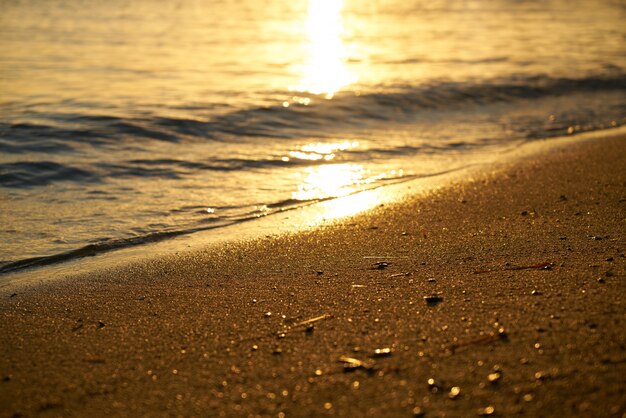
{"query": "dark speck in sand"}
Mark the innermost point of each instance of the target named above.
(79, 325)
(433, 300)
(141, 297)
(601, 280)
(101, 324)
(13, 295)
(381, 265)
(535, 293)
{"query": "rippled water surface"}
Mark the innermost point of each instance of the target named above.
(128, 121)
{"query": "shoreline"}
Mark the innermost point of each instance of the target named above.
(291, 221)
(508, 286)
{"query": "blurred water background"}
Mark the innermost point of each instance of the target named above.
(126, 121)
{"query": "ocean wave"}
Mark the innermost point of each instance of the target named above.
(296, 117)
(25, 174)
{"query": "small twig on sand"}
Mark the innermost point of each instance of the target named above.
(538, 266)
(351, 364)
(312, 320)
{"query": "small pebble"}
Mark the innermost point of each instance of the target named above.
(434, 385)
(433, 300)
(494, 377)
(418, 412)
(381, 265)
(455, 391)
(488, 410)
(382, 352)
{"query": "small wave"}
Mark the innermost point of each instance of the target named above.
(108, 245)
(490, 60)
(40, 173)
(400, 103)
(243, 214)
(19, 138)
(346, 110)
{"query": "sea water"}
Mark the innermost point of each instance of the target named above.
(128, 121)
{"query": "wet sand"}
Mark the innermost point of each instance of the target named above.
(507, 290)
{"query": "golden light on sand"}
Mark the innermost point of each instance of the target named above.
(325, 71)
(350, 205)
(333, 180)
(326, 181)
(346, 181)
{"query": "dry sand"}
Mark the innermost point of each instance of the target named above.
(526, 263)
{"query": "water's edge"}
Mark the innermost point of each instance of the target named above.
(311, 215)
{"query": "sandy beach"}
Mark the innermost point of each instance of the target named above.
(499, 295)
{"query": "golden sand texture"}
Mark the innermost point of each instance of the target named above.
(500, 295)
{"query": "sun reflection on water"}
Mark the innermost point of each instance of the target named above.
(320, 151)
(325, 71)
